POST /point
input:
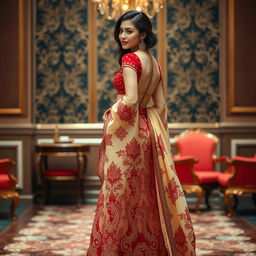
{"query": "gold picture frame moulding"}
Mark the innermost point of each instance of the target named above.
(231, 46)
(20, 109)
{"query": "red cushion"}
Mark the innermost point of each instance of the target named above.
(224, 178)
(5, 181)
(201, 147)
(61, 172)
(207, 177)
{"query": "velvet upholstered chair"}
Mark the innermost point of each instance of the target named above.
(8, 184)
(184, 167)
(202, 146)
(240, 179)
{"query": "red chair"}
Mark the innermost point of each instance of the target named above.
(202, 146)
(8, 183)
(240, 179)
(184, 167)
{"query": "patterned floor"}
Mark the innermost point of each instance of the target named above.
(65, 230)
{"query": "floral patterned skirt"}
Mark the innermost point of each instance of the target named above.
(127, 218)
(141, 208)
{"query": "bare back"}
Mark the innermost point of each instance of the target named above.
(149, 80)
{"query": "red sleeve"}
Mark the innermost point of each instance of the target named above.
(128, 60)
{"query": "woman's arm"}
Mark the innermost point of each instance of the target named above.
(131, 85)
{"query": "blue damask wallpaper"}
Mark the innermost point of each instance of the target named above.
(107, 64)
(192, 51)
(61, 94)
(193, 61)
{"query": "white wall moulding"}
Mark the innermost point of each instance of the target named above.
(26, 197)
(88, 126)
(193, 125)
(235, 143)
(238, 124)
(99, 126)
(18, 145)
(89, 141)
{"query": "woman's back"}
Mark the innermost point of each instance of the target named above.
(150, 78)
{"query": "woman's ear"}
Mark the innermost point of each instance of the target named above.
(143, 35)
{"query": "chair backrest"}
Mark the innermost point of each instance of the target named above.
(5, 170)
(184, 169)
(5, 165)
(244, 171)
(199, 144)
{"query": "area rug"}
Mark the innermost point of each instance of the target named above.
(65, 230)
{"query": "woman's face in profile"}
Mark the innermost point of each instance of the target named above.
(129, 35)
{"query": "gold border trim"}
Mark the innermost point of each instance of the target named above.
(231, 43)
(193, 125)
(21, 64)
(88, 126)
(100, 126)
(92, 61)
(162, 43)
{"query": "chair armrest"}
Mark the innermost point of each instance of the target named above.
(182, 159)
(226, 161)
(186, 163)
(222, 159)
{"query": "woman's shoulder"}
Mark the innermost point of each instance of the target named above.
(132, 60)
(130, 56)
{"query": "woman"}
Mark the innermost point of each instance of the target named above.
(141, 208)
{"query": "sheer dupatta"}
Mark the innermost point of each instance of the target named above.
(122, 121)
(173, 210)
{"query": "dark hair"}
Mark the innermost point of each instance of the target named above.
(142, 23)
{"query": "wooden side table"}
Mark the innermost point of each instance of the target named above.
(80, 151)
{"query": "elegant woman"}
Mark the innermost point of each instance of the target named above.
(141, 208)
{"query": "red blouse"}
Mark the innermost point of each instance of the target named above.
(128, 60)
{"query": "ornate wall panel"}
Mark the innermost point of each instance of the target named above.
(107, 64)
(61, 61)
(13, 77)
(242, 56)
(193, 61)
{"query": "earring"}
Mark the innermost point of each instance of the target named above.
(142, 45)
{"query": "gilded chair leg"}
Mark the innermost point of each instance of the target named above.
(15, 203)
(228, 204)
(199, 193)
